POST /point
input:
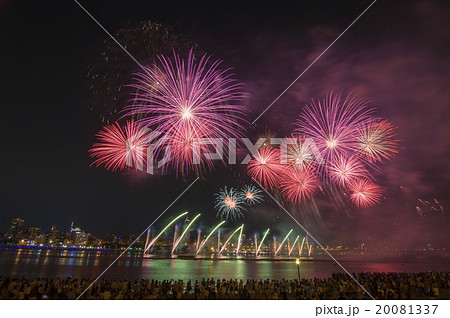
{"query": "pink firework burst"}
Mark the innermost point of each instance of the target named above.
(265, 167)
(187, 100)
(365, 193)
(331, 123)
(375, 140)
(299, 184)
(119, 147)
(344, 170)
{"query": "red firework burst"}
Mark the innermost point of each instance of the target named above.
(119, 147)
(299, 184)
(365, 193)
(266, 168)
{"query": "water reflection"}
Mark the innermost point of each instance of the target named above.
(35, 263)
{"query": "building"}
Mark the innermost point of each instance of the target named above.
(16, 228)
(31, 232)
(78, 237)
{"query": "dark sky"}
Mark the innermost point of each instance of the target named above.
(396, 55)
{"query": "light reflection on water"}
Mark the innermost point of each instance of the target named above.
(37, 263)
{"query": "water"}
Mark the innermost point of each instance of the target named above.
(80, 264)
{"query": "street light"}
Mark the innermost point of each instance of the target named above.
(297, 261)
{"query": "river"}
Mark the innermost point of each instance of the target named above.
(75, 263)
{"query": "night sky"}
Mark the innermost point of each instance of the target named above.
(396, 55)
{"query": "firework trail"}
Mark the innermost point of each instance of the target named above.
(209, 235)
(260, 244)
(239, 240)
(184, 232)
(229, 204)
(281, 245)
(300, 247)
(148, 236)
(266, 168)
(229, 238)
(188, 100)
(364, 193)
(199, 232)
(119, 147)
(307, 243)
(293, 245)
(175, 232)
(426, 208)
(299, 184)
(251, 194)
(167, 226)
(218, 240)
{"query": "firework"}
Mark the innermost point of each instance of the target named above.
(239, 240)
(281, 245)
(199, 233)
(265, 167)
(229, 204)
(119, 147)
(364, 193)
(229, 238)
(147, 240)
(299, 185)
(175, 234)
(186, 101)
(344, 170)
(251, 194)
(375, 140)
(331, 123)
(426, 208)
(176, 242)
(300, 247)
(299, 152)
(167, 226)
(293, 245)
(260, 244)
(110, 75)
(209, 235)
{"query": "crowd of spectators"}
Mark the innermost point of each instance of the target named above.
(429, 285)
